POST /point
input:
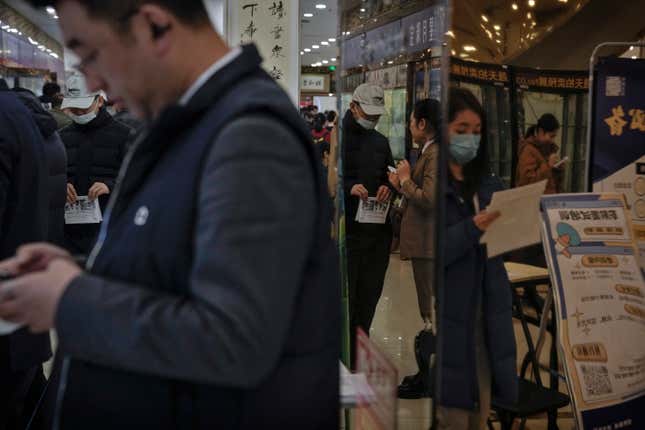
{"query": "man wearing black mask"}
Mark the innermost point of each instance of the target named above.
(366, 158)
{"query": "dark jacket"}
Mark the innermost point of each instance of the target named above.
(95, 152)
(366, 156)
(56, 158)
(474, 283)
(23, 208)
(202, 326)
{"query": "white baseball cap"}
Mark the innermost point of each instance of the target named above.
(371, 98)
(76, 94)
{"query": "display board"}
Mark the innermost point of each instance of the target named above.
(600, 302)
(618, 136)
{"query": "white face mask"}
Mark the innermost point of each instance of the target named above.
(83, 119)
(367, 125)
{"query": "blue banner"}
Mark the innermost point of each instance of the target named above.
(618, 128)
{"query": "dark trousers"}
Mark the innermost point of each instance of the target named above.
(368, 256)
(20, 391)
(80, 238)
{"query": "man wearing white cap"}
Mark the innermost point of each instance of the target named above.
(366, 158)
(95, 145)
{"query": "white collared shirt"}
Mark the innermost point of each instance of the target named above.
(209, 73)
(427, 144)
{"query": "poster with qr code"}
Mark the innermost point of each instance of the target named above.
(371, 211)
(615, 86)
(599, 293)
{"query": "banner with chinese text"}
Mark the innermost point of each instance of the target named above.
(600, 301)
(273, 27)
(618, 137)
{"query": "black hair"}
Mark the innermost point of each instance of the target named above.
(548, 123)
(459, 100)
(191, 12)
(331, 116)
(319, 122)
(430, 111)
(50, 89)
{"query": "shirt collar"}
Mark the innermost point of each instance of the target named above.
(427, 144)
(209, 73)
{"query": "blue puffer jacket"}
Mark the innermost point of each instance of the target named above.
(471, 279)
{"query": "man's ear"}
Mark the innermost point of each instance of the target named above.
(157, 25)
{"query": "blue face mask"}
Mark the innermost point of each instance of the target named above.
(464, 147)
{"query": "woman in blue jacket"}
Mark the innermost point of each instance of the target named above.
(478, 359)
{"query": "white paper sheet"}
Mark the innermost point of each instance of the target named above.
(372, 212)
(519, 223)
(83, 211)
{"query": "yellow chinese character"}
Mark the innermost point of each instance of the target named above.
(638, 119)
(616, 122)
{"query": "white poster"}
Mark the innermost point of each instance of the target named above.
(600, 300)
(84, 211)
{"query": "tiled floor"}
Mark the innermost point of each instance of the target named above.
(396, 323)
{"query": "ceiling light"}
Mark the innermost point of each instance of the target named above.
(485, 18)
(529, 16)
(498, 41)
(333, 59)
(324, 43)
(332, 40)
(531, 3)
(450, 33)
(390, 62)
(325, 62)
(563, 1)
(634, 57)
(362, 9)
(308, 15)
(469, 48)
(497, 27)
(302, 53)
(514, 6)
(464, 55)
(349, 32)
(315, 46)
(631, 48)
(55, 16)
(53, 54)
(321, 6)
(50, 10)
(307, 50)
(453, 52)
(331, 94)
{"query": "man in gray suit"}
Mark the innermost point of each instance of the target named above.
(211, 298)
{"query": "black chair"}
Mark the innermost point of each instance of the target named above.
(534, 399)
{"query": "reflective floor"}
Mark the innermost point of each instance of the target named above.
(396, 323)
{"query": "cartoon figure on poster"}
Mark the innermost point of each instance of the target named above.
(567, 237)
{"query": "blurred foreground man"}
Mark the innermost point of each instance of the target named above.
(23, 218)
(211, 299)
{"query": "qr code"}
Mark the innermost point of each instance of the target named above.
(615, 86)
(596, 380)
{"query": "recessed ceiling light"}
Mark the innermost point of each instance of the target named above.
(631, 48)
(390, 62)
(324, 43)
(325, 62)
(50, 10)
(332, 59)
(497, 27)
(363, 9)
(315, 46)
(349, 32)
(498, 41)
(450, 33)
(469, 48)
(453, 52)
(331, 94)
(531, 3)
(529, 16)
(321, 6)
(307, 50)
(302, 53)
(634, 57)
(332, 40)
(308, 15)
(464, 55)
(485, 18)
(514, 6)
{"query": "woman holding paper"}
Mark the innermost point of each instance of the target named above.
(478, 341)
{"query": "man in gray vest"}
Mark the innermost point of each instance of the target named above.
(211, 299)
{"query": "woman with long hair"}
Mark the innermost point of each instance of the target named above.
(478, 343)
